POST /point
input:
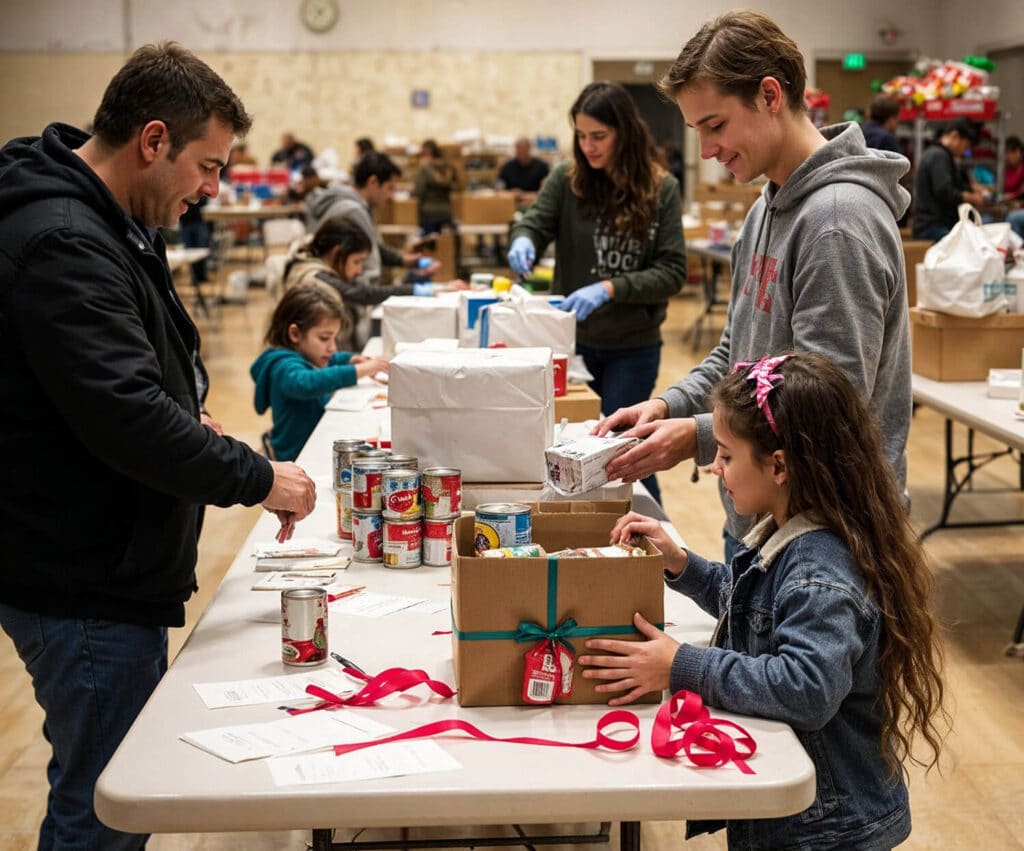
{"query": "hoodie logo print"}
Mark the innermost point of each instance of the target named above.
(764, 270)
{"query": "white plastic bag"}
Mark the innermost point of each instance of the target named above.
(962, 274)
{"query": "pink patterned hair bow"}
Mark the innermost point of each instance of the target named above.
(763, 375)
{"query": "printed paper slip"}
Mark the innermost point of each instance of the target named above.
(356, 398)
(287, 735)
(297, 548)
(391, 760)
(290, 687)
(370, 605)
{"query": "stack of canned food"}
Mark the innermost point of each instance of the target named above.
(391, 511)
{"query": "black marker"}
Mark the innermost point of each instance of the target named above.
(345, 662)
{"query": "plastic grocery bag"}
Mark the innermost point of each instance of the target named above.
(962, 274)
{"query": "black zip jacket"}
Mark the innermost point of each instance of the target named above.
(104, 465)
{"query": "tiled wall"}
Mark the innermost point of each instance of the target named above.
(327, 98)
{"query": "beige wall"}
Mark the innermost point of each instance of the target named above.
(327, 99)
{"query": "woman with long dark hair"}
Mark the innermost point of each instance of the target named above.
(615, 217)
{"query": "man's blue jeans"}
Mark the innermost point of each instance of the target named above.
(91, 678)
(624, 377)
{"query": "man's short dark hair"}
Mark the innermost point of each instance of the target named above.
(965, 129)
(168, 83)
(1013, 143)
(883, 108)
(374, 164)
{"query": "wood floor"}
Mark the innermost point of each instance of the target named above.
(976, 801)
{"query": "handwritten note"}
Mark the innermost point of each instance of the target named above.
(287, 688)
(391, 760)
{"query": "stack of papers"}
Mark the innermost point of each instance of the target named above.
(299, 554)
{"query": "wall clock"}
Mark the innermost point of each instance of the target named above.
(319, 16)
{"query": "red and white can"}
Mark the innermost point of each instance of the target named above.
(560, 368)
(402, 541)
(343, 505)
(304, 626)
(437, 542)
(400, 494)
(367, 535)
(442, 492)
(366, 479)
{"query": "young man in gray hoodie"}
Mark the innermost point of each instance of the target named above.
(818, 265)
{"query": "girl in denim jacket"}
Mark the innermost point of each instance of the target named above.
(824, 618)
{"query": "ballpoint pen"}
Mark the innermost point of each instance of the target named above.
(348, 593)
(341, 660)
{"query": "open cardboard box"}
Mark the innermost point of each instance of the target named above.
(496, 595)
(959, 348)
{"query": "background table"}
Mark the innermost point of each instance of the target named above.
(715, 259)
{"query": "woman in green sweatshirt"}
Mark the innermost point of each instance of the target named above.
(615, 216)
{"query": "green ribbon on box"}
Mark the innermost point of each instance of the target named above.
(559, 632)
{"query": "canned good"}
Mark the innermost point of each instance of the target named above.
(437, 542)
(502, 524)
(400, 494)
(409, 462)
(402, 540)
(367, 535)
(520, 551)
(442, 492)
(366, 479)
(343, 505)
(343, 451)
(304, 626)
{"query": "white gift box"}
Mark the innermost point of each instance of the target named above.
(411, 319)
(533, 322)
(489, 412)
(578, 465)
(471, 302)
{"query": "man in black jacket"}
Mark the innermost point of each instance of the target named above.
(942, 184)
(107, 460)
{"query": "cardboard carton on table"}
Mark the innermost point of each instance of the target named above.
(493, 599)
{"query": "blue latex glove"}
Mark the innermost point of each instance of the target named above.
(425, 288)
(586, 300)
(521, 255)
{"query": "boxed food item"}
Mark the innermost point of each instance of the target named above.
(959, 348)
(412, 319)
(504, 608)
(578, 465)
(489, 412)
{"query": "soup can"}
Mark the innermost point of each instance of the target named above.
(400, 494)
(304, 626)
(343, 505)
(437, 542)
(502, 524)
(366, 478)
(402, 541)
(367, 536)
(442, 492)
(343, 451)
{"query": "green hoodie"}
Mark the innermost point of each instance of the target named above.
(644, 273)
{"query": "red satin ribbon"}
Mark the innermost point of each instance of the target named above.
(386, 682)
(601, 738)
(716, 747)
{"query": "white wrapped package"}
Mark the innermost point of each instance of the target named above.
(530, 323)
(471, 302)
(578, 465)
(411, 319)
(489, 412)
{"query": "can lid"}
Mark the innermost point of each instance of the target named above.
(401, 472)
(441, 471)
(503, 508)
(302, 593)
(370, 464)
(350, 443)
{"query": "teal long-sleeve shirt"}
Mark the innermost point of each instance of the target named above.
(644, 273)
(296, 392)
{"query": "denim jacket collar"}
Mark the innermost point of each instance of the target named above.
(770, 540)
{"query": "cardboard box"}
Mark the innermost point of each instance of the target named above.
(489, 412)
(578, 465)
(411, 319)
(494, 596)
(484, 208)
(913, 253)
(396, 211)
(958, 348)
(578, 405)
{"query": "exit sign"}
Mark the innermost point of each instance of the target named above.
(853, 62)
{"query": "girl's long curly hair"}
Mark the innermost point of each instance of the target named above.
(626, 193)
(837, 471)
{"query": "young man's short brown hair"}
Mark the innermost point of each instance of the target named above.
(734, 53)
(166, 82)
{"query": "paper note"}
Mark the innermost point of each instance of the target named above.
(286, 735)
(300, 579)
(283, 689)
(297, 548)
(277, 564)
(370, 605)
(391, 760)
(357, 398)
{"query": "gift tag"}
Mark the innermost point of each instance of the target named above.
(566, 660)
(541, 678)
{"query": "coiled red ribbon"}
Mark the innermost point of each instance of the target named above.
(704, 740)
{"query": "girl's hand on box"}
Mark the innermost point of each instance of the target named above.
(637, 668)
(631, 526)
